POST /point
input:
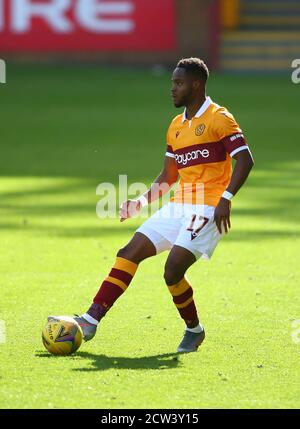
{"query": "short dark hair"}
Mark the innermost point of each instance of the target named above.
(194, 66)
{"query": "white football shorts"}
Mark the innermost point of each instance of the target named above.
(187, 225)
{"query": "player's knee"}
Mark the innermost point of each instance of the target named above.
(131, 253)
(172, 275)
(125, 252)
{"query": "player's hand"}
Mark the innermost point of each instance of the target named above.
(129, 209)
(222, 215)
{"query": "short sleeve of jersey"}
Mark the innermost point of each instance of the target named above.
(169, 151)
(229, 132)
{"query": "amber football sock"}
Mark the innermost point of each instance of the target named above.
(112, 287)
(182, 293)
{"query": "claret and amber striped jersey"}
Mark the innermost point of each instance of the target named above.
(203, 148)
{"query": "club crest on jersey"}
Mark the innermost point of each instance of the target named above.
(177, 133)
(200, 129)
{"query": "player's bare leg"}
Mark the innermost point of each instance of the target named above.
(119, 278)
(178, 262)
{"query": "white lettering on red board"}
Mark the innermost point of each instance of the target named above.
(98, 16)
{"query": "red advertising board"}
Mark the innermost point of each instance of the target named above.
(87, 25)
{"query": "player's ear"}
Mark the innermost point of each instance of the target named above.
(196, 84)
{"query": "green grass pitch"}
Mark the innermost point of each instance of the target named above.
(64, 130)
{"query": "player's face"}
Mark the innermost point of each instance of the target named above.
(182, 87)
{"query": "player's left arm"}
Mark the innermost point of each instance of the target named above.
(242, 168)
(232, 138)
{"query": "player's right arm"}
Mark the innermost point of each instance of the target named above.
(161, 185)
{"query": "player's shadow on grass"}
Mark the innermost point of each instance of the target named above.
(103, 362)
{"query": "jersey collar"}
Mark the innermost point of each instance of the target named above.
(200, 112)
